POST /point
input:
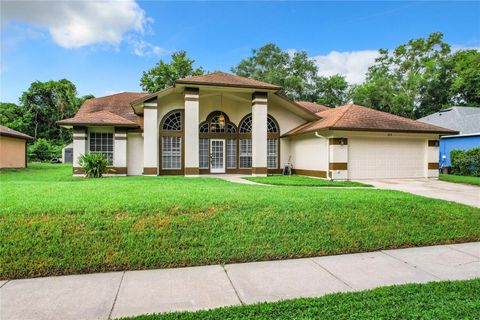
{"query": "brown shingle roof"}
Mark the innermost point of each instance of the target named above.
(7, 132)
(358, 118)
(312, 106)
(109, 110)
(227, 80)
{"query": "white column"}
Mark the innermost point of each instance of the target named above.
(259, 133)
(150, 140)
(338, 165)
(120, 152)
(432, 158)
(191, 131)
(79, 147)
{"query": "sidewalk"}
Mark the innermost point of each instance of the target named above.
(120, 294)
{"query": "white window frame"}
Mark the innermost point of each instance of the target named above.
(102, 130)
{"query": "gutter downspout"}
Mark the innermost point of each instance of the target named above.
(328, 154)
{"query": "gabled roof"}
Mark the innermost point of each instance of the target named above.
(109, 110)
(227, 80)
(312, 106)
(7, 132)
(359, 118)
(462, 119)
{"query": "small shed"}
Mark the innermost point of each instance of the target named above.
(13, 148)
(67, 153)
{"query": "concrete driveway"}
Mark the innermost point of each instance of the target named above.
(433, 188)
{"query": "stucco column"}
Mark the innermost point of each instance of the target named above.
(338, 165)
(120, 152)
(432, 159)
(80, 139)
(191, 131)
(259, 133)
(150, 140)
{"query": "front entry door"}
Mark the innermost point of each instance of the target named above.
(217, 156)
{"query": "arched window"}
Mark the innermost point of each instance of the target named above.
(272, 126)
(246, 125)
(204, 127)
(171, 129)
(173, 121)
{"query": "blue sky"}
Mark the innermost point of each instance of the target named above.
(104, 47)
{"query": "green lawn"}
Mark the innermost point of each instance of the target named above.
(52, 223)
(295, 180)
(460, 179)
(434, 300)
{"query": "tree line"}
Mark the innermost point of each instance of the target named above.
(413, 80)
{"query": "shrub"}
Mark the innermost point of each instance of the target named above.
(94, 164)
(42, 150)
(466, 163)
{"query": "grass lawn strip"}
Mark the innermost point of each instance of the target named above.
(460, 179)
(434, 300)
(303, 181)
(54, 224)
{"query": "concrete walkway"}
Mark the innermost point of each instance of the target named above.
(120, 294)
(433, 188)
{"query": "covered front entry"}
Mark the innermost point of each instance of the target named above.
(217, 155)
(370, 158)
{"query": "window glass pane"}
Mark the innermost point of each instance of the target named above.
(246, 125)
(203, 154)
(102, 142)
(245, 153)
(173, 122)
(271, 125)
(171, 152)
(272, 158)
(231, 154)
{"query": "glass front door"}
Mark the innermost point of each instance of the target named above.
(217, 156)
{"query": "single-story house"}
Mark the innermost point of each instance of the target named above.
(13, 148)
(223, 123)
(465, 120)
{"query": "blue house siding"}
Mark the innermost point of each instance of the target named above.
(460, 142)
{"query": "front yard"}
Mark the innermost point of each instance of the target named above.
(460, 179)
(52, 223)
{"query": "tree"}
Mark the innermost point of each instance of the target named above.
(332, 91)
(295, 72)
(465, 88)
(14, 117)
(411, 81)
(44, 103)
(163, 75)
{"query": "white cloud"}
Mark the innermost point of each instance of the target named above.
(143, 48)
(74, 24)
(353, 64)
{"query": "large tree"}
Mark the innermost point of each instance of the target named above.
(295, 72)
(413, 80)
(465, 88)
(332, 91)
(164, 74)
(44, 103)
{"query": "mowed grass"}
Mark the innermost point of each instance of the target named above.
(434, 300)
(460, 179)
(296, 180)
(53, 224)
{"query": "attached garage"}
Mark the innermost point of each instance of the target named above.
(370, 158)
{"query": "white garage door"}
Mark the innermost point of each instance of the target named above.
(370, 158)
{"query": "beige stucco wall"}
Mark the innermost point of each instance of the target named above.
(309, 152)
(12, 152)
(135, 154)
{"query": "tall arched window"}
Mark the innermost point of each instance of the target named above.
(171, 132)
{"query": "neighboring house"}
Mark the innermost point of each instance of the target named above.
(13, 148)
(465, 120)
(222, 123)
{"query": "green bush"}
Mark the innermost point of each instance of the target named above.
(94, 164)
(42, 150)
(465, 163)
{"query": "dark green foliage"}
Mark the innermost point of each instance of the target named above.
(52, 223)
(42, 150)
(296, 73)
(434, 301)
(94, 164)
(466, 78)
(466, 163)
(164, 74)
